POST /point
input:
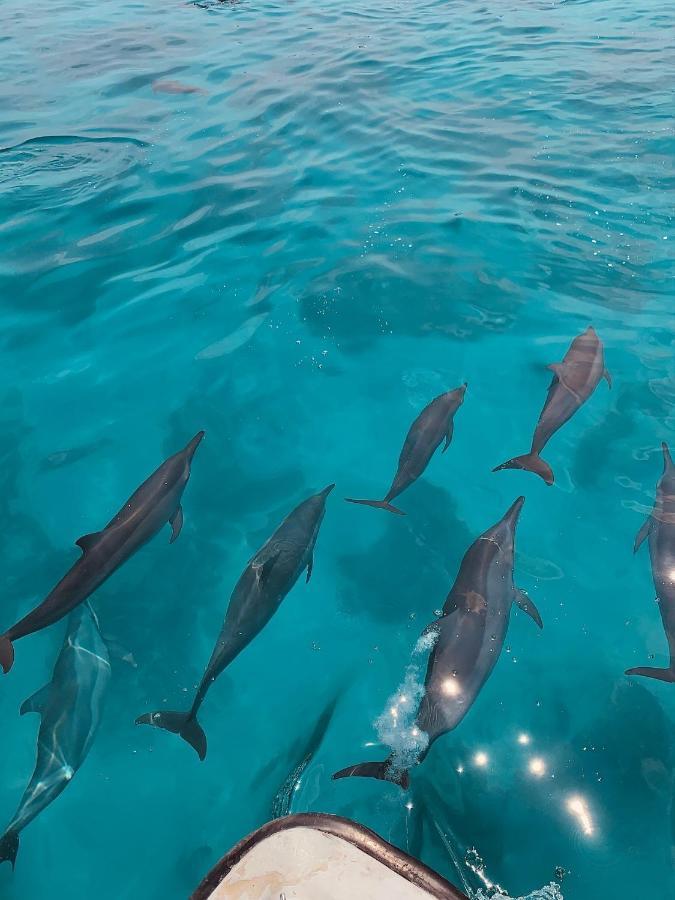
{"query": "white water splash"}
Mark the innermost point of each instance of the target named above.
(548, 892)
(396, 726)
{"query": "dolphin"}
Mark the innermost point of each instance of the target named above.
(70, 712)
(263, 584)
(156, 502)
(574, 380)
(660, 528)
(305, 752)
(435, 422)
(469, 638)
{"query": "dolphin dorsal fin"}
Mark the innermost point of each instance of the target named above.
(667, 458)
(37, 701)
(262, 570)
(87, 541)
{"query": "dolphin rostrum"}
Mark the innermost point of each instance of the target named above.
(70, 711)
(574, 380)
(156, 502)
(469, 639)
(660, 528)
(434, 423)
(263, 584)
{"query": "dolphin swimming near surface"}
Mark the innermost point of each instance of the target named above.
(283, 800)
(70, 711)
(574, 380)
(660, 529)
(469, 638)
(150, 507)
(434, 423)
(263, 584)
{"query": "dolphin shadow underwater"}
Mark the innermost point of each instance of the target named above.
(423, 550)
(660, 529)
(468, 640)
(266, 580)
(156, 502)
(70, 709)
(574, 380)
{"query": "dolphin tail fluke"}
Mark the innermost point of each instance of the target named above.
(378, 504)
(181, 723)
(383, 771)
(651, 672)
(6, 653)
(9, 847)
(530, 462)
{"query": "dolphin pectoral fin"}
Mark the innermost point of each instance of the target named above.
(37, 701)
(310, 567)
(642, 534)
(176, 522)
(607, 377)
(448, 436)
(118, 651)
(557, 369)
(527, 606)
(87, 541)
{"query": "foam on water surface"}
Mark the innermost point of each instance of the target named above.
(548, 892)
(396, 726)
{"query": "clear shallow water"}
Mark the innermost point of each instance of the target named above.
(367, 205)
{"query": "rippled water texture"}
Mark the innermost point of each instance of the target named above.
(355, 207)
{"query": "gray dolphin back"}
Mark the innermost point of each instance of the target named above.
(574, 380)
(469, 638)
(70, 709)
(660, 530)
(156, 502)
(266, 580)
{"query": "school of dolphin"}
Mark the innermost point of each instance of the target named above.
(467, 637)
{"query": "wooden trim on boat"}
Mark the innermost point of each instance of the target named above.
(360, 837)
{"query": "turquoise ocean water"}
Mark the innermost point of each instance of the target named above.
(363, 205)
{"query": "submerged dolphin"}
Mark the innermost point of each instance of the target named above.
(283, 800)
(575, 379)
(156, 502)
(263, 584)
(470, 635)
(660, 528)
(70, 710)
(425, 436)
